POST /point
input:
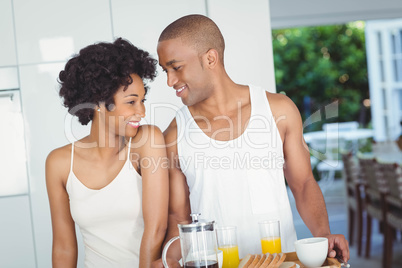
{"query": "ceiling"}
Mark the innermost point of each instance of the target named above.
(294, 13)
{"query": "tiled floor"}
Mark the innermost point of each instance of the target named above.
(336, 206)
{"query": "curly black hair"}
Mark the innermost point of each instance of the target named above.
(96, 73)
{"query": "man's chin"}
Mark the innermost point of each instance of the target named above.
(186, 102)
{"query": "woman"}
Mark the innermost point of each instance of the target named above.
(113, 183)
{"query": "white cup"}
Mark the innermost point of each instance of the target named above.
(312, 252)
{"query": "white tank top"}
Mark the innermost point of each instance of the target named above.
(238, 182)
(110, 219)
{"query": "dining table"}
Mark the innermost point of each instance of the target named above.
(387, 157)
(329, 262)
(328, 137)
(348, 135)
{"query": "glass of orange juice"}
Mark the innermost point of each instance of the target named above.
(227, 242)
(270, 236)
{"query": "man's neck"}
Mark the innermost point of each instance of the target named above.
(224, 100)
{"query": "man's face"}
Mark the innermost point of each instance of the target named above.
(185, 73)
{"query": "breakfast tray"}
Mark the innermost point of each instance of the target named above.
(330, 262)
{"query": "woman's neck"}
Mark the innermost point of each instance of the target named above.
(103, 140)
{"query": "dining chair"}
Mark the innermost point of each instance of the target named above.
(354, 193)
(392, 175)
(374, 195)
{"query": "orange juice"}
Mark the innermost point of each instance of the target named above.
(230, 256)
(271, 245)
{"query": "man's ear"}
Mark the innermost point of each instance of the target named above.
(212, 58)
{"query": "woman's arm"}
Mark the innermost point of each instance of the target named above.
(155, 194)
(64, 252)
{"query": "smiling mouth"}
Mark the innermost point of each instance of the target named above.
(134, 124)
(180, 90)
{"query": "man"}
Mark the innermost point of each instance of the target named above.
(231, 146)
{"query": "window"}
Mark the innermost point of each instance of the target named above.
(384, 56)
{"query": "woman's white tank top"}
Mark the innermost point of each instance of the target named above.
(241, 181)
(110, 219)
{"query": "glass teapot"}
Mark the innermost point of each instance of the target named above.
(198, 244)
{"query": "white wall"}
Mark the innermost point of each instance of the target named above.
(292, 13)
(247, 31)
(7, 51)
(8, 56)
(141, 22)
(47, 32)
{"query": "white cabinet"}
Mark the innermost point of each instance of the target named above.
(16, 240)
(13, 173)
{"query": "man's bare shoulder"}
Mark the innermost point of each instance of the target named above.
(281, 105)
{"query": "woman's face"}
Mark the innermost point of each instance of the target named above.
(124, 116)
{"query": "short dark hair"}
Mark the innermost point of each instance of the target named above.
(198, 31)
(96, 73)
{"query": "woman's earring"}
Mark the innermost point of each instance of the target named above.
(98, 110)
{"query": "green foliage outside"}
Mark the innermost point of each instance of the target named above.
(326, 64)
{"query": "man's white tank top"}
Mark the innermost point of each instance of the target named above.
(241, 181)
(110, 219)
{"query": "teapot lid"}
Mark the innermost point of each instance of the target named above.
(197, 225)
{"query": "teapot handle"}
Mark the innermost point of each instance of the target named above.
(165, 249)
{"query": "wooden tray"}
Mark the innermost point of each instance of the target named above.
(332, 262)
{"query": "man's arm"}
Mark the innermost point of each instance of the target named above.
(309, 199)
(179, 202)
(308, 196)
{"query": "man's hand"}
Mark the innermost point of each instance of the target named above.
(171, 262)
(338, 246)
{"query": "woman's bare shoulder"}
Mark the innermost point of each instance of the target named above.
(60, 153)
(147, 139)
(147, 134)
(58, 160)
